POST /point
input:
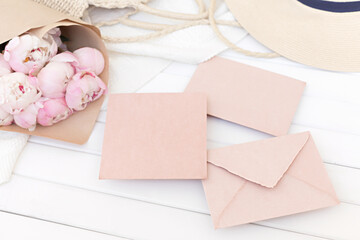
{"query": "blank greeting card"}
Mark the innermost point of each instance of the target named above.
(155, 136)
(247, 95)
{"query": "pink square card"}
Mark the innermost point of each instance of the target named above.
(155, 136)
(247, 95)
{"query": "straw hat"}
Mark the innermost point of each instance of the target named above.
(323, 34)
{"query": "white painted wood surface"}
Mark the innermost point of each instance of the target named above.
(55, 192)
(31, 228)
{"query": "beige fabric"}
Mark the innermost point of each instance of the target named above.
(11, 145)
(313, 37)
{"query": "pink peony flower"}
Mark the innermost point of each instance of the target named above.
(27, 118)
(85, 87)
(66, 57)
(53, 79)
(17, 92)
(5, 118)
(4, 66)
(53, 111)
(28, 53)
(90, 59)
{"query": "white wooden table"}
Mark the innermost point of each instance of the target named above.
(55, 192)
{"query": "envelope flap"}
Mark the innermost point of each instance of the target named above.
(263, 162)
(19, 16)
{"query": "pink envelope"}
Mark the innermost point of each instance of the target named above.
(155, 136)
(266, 179)
(246, 95)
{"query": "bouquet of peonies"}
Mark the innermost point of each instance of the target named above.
(53, 72)
(43, 83)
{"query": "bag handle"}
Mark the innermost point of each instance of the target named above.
(228, 42)
(203, 17)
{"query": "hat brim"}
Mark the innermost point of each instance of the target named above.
(303, 34)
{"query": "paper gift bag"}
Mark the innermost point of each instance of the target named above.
(265, 179)
(20, 16)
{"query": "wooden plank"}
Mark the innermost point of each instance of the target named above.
(81, 170)
(346, 183)
(93, 145)
(335, 122)
(333, 85)
(315, 109)
(335, 147)
(123, 78)
(164, 82)
(16, 227)
(340, 222)
(134, 219)
(328, 114)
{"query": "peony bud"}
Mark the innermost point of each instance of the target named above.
(28, 53)
(4, 66)
(66, 57)
(90, 59)
(85, 87)
(53, 111)
(27, 118)
(53, 79)
(17, 92)
(5, 118)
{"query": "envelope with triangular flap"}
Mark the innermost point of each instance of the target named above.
(266, 179)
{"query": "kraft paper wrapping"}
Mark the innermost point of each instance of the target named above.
(20, 16)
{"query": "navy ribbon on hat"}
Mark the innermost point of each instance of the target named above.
(339, 7)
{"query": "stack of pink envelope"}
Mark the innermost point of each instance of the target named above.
(163, 136)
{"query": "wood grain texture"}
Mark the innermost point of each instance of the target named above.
(121, 216)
